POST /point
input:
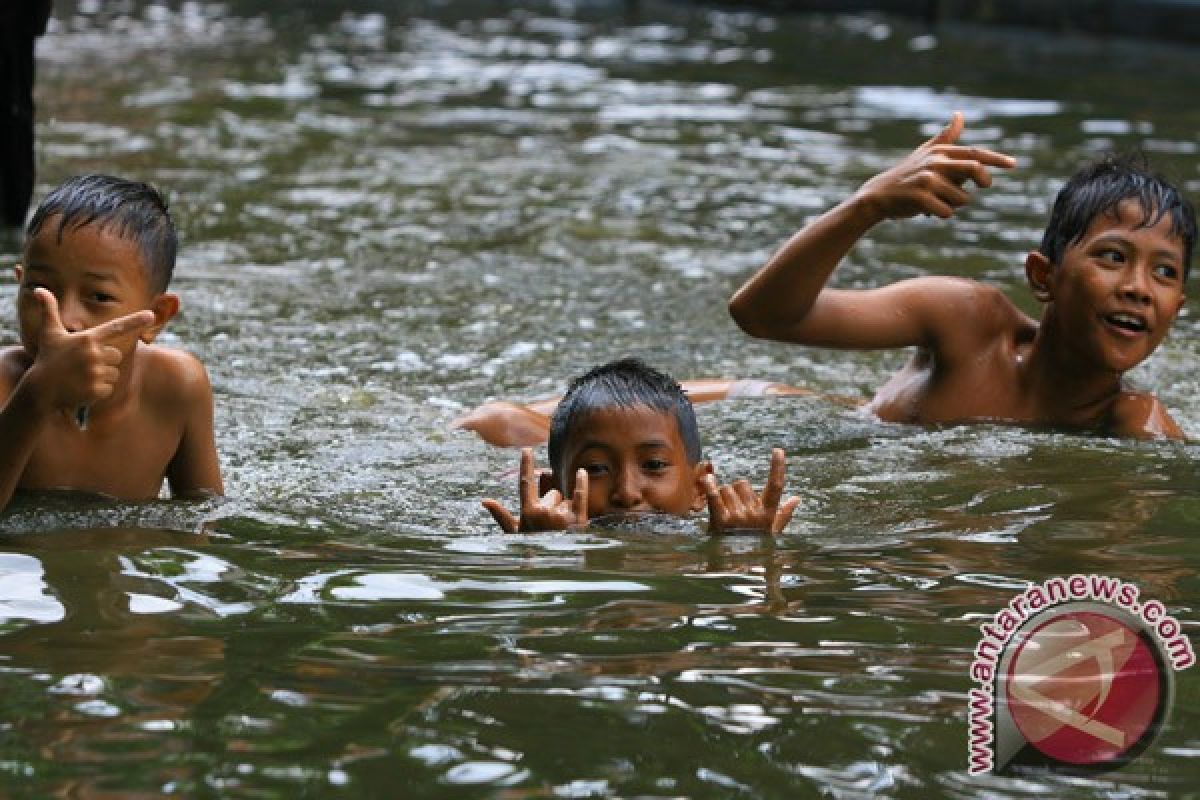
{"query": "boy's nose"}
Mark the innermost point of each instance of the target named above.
(72, 316)
(626, 491)
(1135, 284)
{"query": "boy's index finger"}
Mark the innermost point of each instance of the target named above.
(773, 491)
(123, 326)
(579, 498)
(950, 133)
(526, 489)
(980, 155)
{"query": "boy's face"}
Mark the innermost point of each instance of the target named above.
(1118, 288)
(94, 274)
(636, 461)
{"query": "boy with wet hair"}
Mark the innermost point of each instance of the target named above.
(624, 440)
(87, 402)
(1110, 272)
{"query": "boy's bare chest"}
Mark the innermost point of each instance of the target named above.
(125, 459)
(986, 387)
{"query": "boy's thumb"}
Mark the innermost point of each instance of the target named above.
(950, 133)
(48, 305)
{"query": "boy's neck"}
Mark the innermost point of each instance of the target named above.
(1061, 388)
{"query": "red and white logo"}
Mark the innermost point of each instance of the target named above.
(1082, 685)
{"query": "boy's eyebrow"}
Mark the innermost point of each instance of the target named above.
(1114, 236)
(92, 273)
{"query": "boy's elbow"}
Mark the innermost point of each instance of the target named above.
(743, 317)
(751, 322)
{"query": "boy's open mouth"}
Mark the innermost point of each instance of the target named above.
(1129, 322)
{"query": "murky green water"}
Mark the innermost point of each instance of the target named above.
(394, 211)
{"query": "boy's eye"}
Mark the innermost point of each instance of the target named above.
(1111, 254)
(1168, 271)
(101, 297)
(596, 469)
(655, 464)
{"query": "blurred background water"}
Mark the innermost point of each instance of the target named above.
(393, 211)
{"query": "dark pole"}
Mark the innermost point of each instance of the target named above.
(21, 21)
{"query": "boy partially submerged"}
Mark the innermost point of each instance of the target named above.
(88, 403)
(1110, 272)
(624, 440)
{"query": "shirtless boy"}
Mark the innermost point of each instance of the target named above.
(1110, 273)
(86, 401)
(624, 440)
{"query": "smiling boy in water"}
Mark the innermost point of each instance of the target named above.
(86, 401)
(624, 440)
(1110, 272)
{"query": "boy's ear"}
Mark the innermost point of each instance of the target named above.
(699, 473)
(165, 306)
(1039, 270)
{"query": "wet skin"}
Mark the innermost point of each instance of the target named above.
(631, 460)
(978, 357)
(87, 315)
(1109, 304)
(635, 460)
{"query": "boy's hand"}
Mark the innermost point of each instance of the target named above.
(551, 512)
(737, 508)
(930, 179)
(79, 369)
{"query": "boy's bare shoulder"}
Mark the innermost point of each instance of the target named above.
(1143, 416)
(968, 312)
(173, 375)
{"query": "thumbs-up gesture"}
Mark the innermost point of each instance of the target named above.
(74, 370)
(931, 179)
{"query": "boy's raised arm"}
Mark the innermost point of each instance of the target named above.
(787, 299)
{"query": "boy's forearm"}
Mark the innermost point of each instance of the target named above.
(781, 293)
(21, 422)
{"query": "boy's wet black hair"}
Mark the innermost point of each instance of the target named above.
(131, 209)
(626, 383)
(1099, 188)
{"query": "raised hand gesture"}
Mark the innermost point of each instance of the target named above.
(931, 179)
(75, 370)
(550, 512)
(737, 508)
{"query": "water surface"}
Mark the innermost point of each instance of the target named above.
(394, 211)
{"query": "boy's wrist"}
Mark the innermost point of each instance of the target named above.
(865, 209)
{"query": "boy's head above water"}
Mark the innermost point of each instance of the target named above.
(1106, 188)
(623, 440)
(97, 250)
(632, 429)
(128, 210)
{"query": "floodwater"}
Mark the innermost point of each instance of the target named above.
(392, 212)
